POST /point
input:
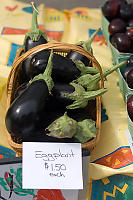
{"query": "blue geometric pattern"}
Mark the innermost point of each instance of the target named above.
(6, 152)
(13, 51)
(28, 9)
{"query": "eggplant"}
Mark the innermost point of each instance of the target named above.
(87, 46)
(26, 115)
(49, 117)
(63, 127)
(74, 96)
(32, 38)
(80, 114)
(77, 56)
(66, 127)
(58, 92)
(64, 69)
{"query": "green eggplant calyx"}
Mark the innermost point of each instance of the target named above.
(93, 94)
(35, 33)
(63, 127)
(78, 91)
(81, 101)
(46, 75)
(87, 44)
(86, 130)
(84, 69)
(90, 81)
(86, 80)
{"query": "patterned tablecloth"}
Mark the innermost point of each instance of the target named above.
(111, 167)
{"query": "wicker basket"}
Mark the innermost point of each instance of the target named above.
(62, 48)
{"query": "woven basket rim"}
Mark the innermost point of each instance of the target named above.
(65, 48)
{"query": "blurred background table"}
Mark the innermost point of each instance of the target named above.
(69, 4)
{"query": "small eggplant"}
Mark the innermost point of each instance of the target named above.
(87, 46)
(80, 114)
(66, 127)
(65, 95)
(80, 97)
(26, 114)
(90, 81)
(86, 130)
(58, 92)
(63, 127)
(32, 38)
(64, 69)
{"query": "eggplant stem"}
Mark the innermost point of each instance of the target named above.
(78, 104)
(81, 99)
(90, 40)
(35, 33)
(87, 44)
(34, 18)
(93, 94)
(84, 69)
(78, 91)
(90, 81)
(46, 75)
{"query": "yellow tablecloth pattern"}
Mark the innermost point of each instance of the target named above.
(68, 26)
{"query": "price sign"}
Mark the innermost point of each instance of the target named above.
(52, 165)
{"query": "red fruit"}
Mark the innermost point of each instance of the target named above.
(117, 26)
(129, 79)
(130, 107)
(110, 9)
(121, 42)
(129, 33)
(126, 71)
(126, 12)
(130, 61)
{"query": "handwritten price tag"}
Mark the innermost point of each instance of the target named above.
(52, 165)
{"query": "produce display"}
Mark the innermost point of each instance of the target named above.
(128, 67)
(119, 14)
(55, 95)
(127, 72)
(117, 27)
(130, 107)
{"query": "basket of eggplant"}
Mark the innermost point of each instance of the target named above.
(54, 92)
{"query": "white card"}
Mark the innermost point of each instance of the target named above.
(129, 139)
(52, 165)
